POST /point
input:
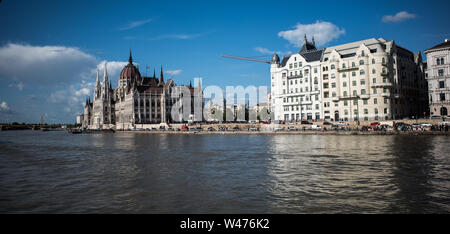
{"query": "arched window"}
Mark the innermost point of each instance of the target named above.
(362, 72)
(343, 65)
(361, 62)
(438, 61)
(373, 61)
(362, 53)
(442, 61)
(374, 71)
(332, 67)
(383, 60)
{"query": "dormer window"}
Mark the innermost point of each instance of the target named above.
(362, 53)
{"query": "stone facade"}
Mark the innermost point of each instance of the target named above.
(438, 77)
(140, 100)
(295, 85)
(372, 79)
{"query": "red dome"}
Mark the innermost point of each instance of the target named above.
(130, 72)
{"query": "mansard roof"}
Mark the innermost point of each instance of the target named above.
(311, 56)
(445, 44)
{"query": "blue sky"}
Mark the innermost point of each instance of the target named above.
(49, 50)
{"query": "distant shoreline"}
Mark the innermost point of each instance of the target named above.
(348, 133)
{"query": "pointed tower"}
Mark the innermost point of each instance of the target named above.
(305, 40)
(313, 42)
(154, 73)
(105, 91)
(130, 59)
(97, 88)
(161, 78)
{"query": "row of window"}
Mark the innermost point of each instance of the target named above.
(361, 62)
(440, 61)
(296, 108)
(286, 100)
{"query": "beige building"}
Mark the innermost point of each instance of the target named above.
(372, 79)
(438, 77)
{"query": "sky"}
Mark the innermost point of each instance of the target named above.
(50, 50)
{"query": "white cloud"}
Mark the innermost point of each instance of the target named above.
(135, 24)
(263, 50)
(173, 72)
(322, 31)
(178, 36)
(44, 65)
(4, 106)
(401, 16)
(19, 86)
(113, 67)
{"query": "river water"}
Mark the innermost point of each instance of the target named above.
(56, 172)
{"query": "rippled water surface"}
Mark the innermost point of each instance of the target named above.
(56, 172)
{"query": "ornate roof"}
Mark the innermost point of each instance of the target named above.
(130, 71)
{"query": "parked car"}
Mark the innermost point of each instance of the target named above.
(374, 123)
(292, 128)
(444, 123)
(316, 127)
(199, 129)
(342, 124)
(327, 123)
(277, 129)
(236, 128)
(336, 127)
(211, 129)
(436, 117)
(184, 128)
(305, 122)
(266, 122)
(222, 129)
(426, 125)
(253, 129)
(170, 129)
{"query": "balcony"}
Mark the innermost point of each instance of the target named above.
(347, 69)
(306, 103)
(335, 99)
(381, 85)
(295, 76)
(315, 92)
(385, 94)
(364, 96)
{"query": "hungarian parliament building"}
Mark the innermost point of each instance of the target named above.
(138, 100)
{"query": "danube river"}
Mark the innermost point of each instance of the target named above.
(56, 172)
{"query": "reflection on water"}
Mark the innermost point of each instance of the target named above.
(57, 172)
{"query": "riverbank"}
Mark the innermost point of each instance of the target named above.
(348, 133)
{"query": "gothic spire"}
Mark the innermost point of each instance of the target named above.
(130, 60)
(154, 73)
(105, 74)
(161, 78)
(305, 41)
(97, 80)
(313, 42)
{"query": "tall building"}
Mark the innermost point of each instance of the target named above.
(295, 84)
(438, 77)
(139, 100)
(372, 79)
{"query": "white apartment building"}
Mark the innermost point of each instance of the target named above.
(372, 79)
(438, 77)
(296, 85)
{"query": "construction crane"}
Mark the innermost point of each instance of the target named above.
(245, 58)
